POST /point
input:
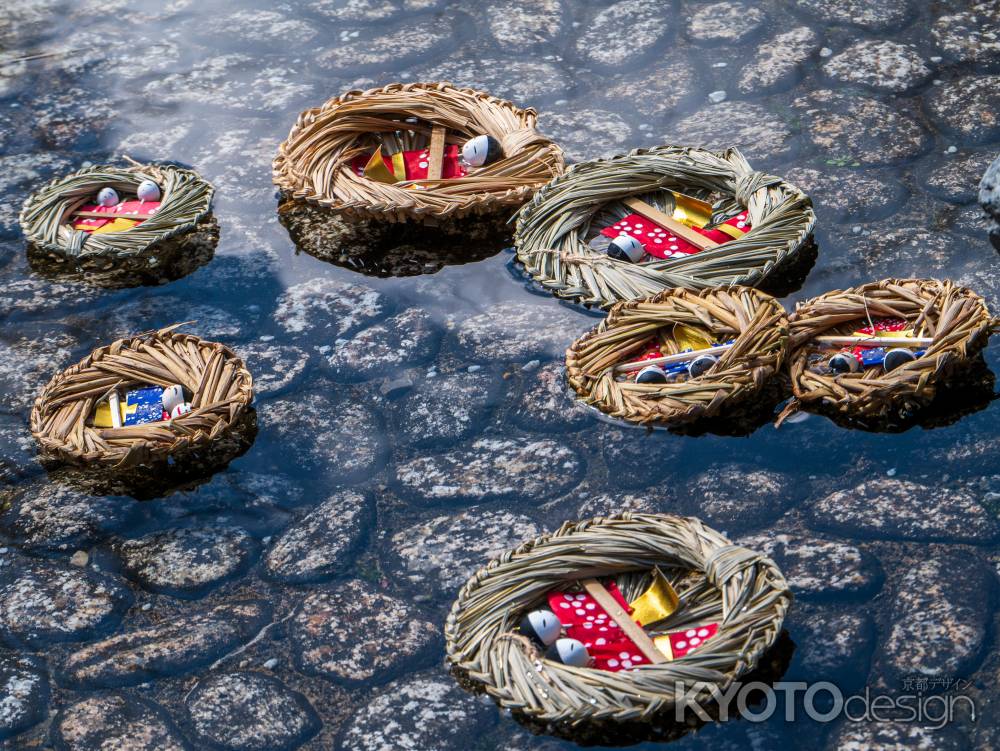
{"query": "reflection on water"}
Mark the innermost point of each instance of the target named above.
(431, 404)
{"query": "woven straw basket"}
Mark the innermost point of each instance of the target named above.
(181, 236)
(221, 385)
(742, 591)
(554, 229)
(313, 163)
(754, 320)
(955, 317)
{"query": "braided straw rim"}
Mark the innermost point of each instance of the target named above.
(221, 385)
(313, 163)
(185, 199)
(552, 227)
(754, 319)
(740, 589)
(956, 317)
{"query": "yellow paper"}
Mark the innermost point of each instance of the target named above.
(118, 225)
(734, 232)
(657, 602)
(662, 643)
(102, 415)
(691, 211)
(688, 337)
(879, 334)
(377, 171)
(398, 166)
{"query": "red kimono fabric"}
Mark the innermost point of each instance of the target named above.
(662, 243)
(588, 622)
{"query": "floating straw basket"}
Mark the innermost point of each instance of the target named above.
(313, 163)
(181, 229)
(741, 590)
(754, 320)
(554, 229)
(955, 317)
(221, 386)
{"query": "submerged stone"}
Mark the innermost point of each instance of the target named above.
(186, 562)
(324, 306)
(516, 332)
(546, 403)
(758, 134)
(27, 364)
(779, 61)
(738, 497)
(388, 45)
(644, 23)
(250, 712)
(645, 91)
(520, 25)
(173, 647)
(446, 408)
(868, 14)
(832, 641)
(584, 133)
(905, 251)
(899, 509)
(636, 458)
(725, 23)
(896, 735)
(116, 722)
(356, 632)
(493, 469)
(24, 693)
(971, 35)
(321, 542)
(402, 341)
(274, 367)
(840, 194)
(524, 81)
(880, 64)
(968, 107)
(443, 552)
(424, 711)
(814, 566)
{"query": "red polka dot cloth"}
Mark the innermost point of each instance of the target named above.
(123, 210)
(682, 642)
(415, 164)
(661, 243)
(589, 623)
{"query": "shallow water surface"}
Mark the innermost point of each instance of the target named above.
(410, 427)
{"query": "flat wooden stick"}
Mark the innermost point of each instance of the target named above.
(668, 359)
(99, 215)
(875, 341)
(668, 222)
(632, 630)
(436, 153)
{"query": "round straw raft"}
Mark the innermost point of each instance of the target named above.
(754, 320)
(554, 229)
(313, 163)
(182, 234)
(955, 317)
(222, 390)
(741, 590)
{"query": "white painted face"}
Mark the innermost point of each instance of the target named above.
(475, 151)
(172, 396)
(180, 409)
(651, 374)
(570, 652)
(626, 248)
(148, 191)
(545, 625)
(700, 365)
(108, 197)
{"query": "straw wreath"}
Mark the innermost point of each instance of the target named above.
(313, 163)
(555, 227)
(955, 317)
(755, 320)
(186, 201)
(222, 389)
(741, 590)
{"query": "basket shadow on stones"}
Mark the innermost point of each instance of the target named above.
(937, 388)
(179, 239)
(742, 591)
(554, 229)
(449, 220)
(146, 460)
(735, 396)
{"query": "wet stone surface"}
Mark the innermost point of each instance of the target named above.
(444, 551)
(384, 44)
(895, 509)
(355, 633)
(174, 646)
(971, 34)
(546, 403)
(24, 688)
(758, 134)
(425, 711)
(510, 78)
(116, 721)
(832, 640)
(778, 61)
(892, 251)
(635, 87)
(339, 435)
(956, 179)
(250, 712)
(895, 735)
(46, 515)
(186, 561)
(26, 365)
(814, 566)
(273, 366)
(492, 469)
(939, 619)
(446, 408)
(725, 23)
(734, 497)
(636, 459)
(322, 306)
(877, 14)
(851, 130)
(402, 341)
(521, 25)
(43, 602)
(846, 194)
(585, 134)
(642, 22)
(882, 65)
(320, 544)
(969, 108)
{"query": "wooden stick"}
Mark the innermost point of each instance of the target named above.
(669, 359)
(632, 630)
(99, 215)
(668, 222)
(875, 341)
(436, 153)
